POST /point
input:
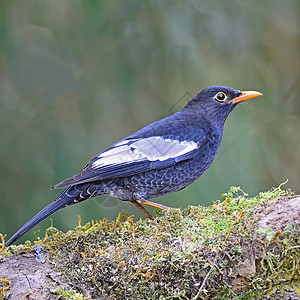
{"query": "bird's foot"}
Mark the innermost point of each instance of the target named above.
(142, 209)
(153, 204)
(138, 204)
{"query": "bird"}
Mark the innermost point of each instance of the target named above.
(163, 157)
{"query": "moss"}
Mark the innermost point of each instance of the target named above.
(5, 285)
(195, 253)
(70, 294)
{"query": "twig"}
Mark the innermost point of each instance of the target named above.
(203, 283)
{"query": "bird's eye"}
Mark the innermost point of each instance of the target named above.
(221, 97)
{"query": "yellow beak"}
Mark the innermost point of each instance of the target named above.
(245, 96)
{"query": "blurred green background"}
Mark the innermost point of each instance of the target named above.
(77, 76)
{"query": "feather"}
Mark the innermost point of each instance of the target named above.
(133, 156)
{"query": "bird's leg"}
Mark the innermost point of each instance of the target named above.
(138, 204)
(142, 209)
(153, 204)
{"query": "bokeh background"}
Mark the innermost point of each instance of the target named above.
(76, 76)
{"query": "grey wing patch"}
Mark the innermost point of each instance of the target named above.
(133, 156)
(120, 154)
(158, 148)
(148, 149)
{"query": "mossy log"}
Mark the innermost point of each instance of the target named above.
(242, 248)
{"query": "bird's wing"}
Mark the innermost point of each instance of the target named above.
(132, 156)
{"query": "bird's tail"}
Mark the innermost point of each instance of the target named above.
(65, 198)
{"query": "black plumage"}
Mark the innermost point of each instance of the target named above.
(161, 158)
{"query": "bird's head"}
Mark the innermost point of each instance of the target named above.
(218, 101)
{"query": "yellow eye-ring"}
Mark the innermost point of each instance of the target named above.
(220, 96)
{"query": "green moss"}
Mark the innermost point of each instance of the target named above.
(280, 269)
(70, 295)
(195, 253)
